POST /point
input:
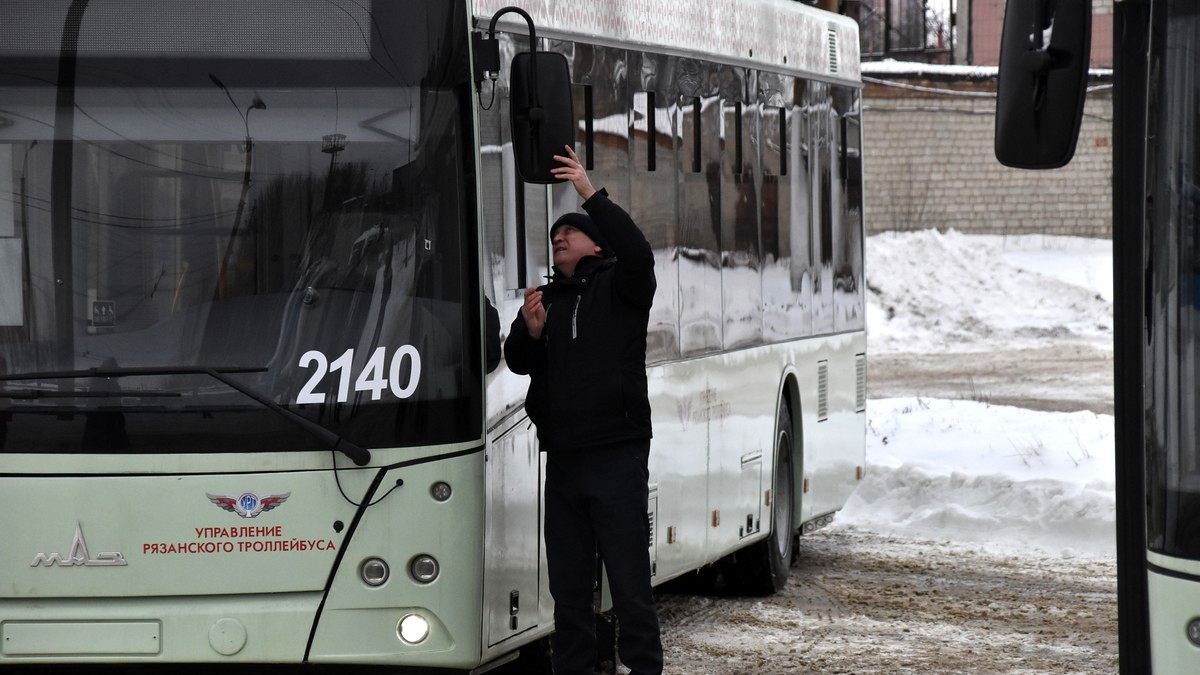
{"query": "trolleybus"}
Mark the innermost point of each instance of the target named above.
(248, 257)
(1156, 261)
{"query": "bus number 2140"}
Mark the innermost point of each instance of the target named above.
(376, 375)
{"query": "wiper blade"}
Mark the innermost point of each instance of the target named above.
(359, 455)
(120, 371)
(31, 394)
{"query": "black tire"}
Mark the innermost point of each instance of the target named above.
(763, 567)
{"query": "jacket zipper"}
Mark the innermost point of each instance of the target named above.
(575, 318)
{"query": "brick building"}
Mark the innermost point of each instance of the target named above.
(929, 162)
(987, 23)
(964, 32)
(929, 132)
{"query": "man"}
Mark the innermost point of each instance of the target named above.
(582, 340)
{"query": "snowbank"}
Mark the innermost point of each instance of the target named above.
(966, 470)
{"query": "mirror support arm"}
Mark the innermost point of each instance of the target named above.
(487, 59)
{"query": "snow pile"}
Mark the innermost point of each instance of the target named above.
(965, 470)
(968, 471)
(930, 292)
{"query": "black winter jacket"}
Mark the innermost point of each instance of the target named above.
(587, 372)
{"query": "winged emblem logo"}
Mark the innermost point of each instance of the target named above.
(248, 505)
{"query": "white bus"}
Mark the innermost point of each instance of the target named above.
(247, 255)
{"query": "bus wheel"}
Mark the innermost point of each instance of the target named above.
(763, 567)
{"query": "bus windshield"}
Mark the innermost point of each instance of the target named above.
(279, 191)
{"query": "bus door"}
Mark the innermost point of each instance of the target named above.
(514, 220)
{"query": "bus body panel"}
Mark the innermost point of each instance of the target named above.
(175, 629)
(1173, 605)
(74, 536)
(715, 417)
(513, 555)
(714, 420)
(358, 623)
(193, 570)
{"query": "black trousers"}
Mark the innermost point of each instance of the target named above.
(596, 499)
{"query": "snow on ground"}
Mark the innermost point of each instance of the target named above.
(964, 470)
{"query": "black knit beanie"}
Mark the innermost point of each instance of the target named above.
(584, 224)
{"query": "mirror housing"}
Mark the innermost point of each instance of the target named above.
(542, 109)
(1044, 55)
(542, 113)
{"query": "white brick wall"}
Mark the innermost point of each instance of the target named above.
(930, 164)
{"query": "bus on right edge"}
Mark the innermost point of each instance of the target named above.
(1156, 260)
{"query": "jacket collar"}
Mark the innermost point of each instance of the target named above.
(585, 268)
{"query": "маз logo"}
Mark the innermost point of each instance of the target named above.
(79, 556)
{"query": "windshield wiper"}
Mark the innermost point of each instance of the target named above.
(359, 455)
(32, 394)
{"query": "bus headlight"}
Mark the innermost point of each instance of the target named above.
(1193, 631)
(374, 572)
(424, 568)
(413, 628)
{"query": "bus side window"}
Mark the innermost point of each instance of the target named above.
(787, 287)
(645, 131)
(653, 202)
(848, 213)
(700, 211)
(822, 155)
(740, 256)
(602, 130)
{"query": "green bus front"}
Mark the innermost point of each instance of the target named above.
(241, 364)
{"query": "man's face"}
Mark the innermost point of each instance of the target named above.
(570, 246)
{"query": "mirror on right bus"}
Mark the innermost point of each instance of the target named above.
(543, 113)
(1044, 56)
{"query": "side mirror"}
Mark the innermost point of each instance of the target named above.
(543, 110)
(1044, 56)
(543, 113)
